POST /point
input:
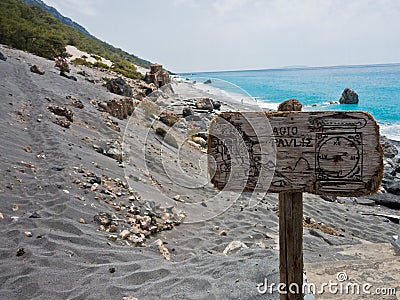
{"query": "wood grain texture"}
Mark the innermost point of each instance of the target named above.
(326, 153)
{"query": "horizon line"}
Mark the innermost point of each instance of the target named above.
(291, 68)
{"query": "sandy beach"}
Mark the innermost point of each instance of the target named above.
(107, 209)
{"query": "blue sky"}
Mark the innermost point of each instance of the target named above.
(212, 35)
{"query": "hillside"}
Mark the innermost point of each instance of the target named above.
(58, 15)
(28, 27)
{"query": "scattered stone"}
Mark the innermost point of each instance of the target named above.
(349, 96)
(75, 102)
(112, 237)
(103, 218)
(28, 149)
(186, 112)
(82, 221)
(35, 215)
(223, 233)
(366, 202)
(261, 245)
(115, 153)
(15, 207)
(119, 86)
(216, 103)
(62, 121)
(63, 74)
(204, 104)
(1, 216)
(329, 198)
(111, 270)
(233, 246)
(129, 298)
(390, 150)
(208, 81)
(178, 198)
(312, 224)
(163, 250)
(309, 220)
(112, 124)
(200, 141)
(387, 199)
(35, 69)
(124, 234)
(62, 111)
(3, 57)
(20, 251)
(28, 234)
(394, 188)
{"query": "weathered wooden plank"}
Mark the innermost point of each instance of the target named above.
(291, 231)
(291, 243)
(326, 153)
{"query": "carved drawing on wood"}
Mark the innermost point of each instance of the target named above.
(317, 152)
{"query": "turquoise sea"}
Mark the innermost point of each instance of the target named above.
(378, 87)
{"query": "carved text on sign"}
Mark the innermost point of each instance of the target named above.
(330, 153)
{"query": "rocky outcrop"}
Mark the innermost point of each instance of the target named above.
(62, 111)
(390, 150)
(349, 96)
(157, 75)
(120, 108)
(2, 57)
(290, 105)
(119, 86)
(62, 121)
(63, 74)
(204, 104)
(216, 103)
(391, 179)
(208, 81)
(186, 112)
(35, 69)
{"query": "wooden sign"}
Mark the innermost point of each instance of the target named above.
(326, 153)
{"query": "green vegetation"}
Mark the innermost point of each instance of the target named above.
(28, 27)
(161, 132)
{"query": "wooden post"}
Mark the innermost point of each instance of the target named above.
(291, 231)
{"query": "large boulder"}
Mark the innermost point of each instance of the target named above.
(216, 103)
(349, 96)
(35, 69)
(186, 112)
(204, 104)
(119, 86)
(119, 108)
(394, 188)
(390, 150)
(3, 57)
(290, 105)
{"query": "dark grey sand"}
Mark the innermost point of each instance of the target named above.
(66, 258)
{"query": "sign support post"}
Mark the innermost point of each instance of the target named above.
(291, 232)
